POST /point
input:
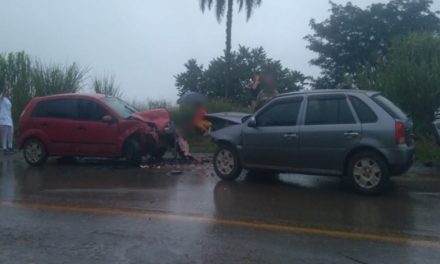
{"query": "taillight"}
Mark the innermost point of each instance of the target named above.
(400, 133)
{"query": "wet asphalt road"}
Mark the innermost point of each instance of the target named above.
(105, 212)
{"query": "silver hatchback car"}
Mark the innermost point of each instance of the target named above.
(355, 134)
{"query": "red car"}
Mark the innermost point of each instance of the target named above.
(91, 125)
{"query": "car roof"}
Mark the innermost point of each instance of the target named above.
(70, 95)
(329, 91)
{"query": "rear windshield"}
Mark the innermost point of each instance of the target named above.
(389, 107)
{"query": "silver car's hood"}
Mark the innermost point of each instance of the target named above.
(231, 134)
(231, 117)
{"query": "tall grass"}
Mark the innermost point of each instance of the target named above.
(26, 78)
(106, 85)
(56, 79)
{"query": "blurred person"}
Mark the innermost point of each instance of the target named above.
(199, 120)
(254, 90)
(6, 125)
(268, 90)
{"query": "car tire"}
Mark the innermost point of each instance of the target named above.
(368, 173)
(159, 153)
(227, 164)
(132, 152)
(34, 152)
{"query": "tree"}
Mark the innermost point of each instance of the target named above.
(220, 12)
(191, 79)
(106, 85)
(245, 62)
(409, 77)
(352, 37)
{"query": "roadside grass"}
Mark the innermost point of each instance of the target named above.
(200, 144)
(427, 150)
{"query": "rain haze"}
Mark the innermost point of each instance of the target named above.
(145, 43)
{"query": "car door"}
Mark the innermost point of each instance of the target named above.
(95, 137)
(329, 131)
(272, 142)
(56, 118)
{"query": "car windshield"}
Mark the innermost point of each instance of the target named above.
(123, 109)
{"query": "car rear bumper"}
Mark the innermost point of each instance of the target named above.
(400, 158)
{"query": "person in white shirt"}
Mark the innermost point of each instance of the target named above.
(6, 125)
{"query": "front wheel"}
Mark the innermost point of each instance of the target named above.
(368, 173)
(159, 153)
(34, 152)
(132, 152)
(227, 163)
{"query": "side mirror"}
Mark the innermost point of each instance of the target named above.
(107, 119)
(252, 122)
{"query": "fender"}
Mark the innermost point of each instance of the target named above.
(34, 133)
(231, 134)
(140, 129)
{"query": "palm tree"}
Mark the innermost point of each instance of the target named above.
(220, 6)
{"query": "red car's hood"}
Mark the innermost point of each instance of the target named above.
(159, 117)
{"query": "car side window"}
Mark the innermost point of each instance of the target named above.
(327, 111)
(59, 108)
(363, 111)
(90, 110)
(280, 114)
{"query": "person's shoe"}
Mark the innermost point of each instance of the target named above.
(11, 151)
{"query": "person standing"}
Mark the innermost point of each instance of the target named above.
(6, 125)
(254, 90)
(199, 120)
(268, 90)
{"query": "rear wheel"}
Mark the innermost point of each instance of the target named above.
(368, 173)
(227, 163)
(132, 152)
(34, 152)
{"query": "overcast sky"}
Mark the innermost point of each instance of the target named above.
(144, 43)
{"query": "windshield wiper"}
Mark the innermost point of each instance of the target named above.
(130, 109)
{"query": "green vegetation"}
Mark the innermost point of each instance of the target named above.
(26, 78)
(106, 85)
(410, 77)
(220, 6)
(245, 63)
(427, 150)
(200, 144)
(392, 47)
(353, 37)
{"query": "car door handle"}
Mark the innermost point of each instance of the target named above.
(81, 128)
(351, 134)
(44, 125)
(290, 135)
